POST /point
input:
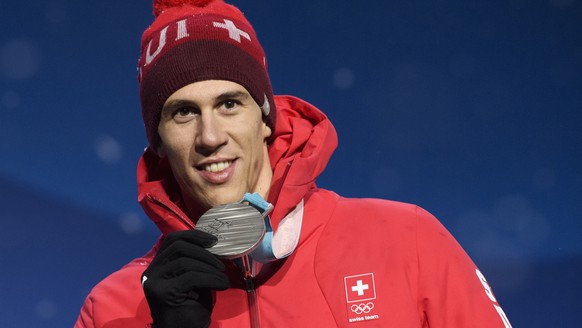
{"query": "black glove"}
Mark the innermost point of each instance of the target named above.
(178, 283)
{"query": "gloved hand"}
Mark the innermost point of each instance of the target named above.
(178, 283)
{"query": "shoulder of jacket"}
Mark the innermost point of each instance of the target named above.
(118, 299)
(378, 207)
(128, 277)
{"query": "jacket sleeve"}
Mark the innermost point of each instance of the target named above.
(452, 290)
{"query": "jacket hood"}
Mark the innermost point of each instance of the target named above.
(303, 143)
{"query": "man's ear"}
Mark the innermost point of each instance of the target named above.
(266, 130)
(159, 149)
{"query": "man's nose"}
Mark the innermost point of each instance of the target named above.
(211, 134)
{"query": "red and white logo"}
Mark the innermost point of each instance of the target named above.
(360, 288)
(360, 294)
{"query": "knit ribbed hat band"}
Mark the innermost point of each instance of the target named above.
(187, 44)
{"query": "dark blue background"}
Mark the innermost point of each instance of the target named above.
(471, 109)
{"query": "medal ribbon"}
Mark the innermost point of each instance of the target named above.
(264, 252)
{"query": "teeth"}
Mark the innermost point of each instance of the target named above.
(217, 167)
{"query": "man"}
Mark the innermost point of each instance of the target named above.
(216, 133)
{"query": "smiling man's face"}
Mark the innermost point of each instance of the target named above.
(215, 139)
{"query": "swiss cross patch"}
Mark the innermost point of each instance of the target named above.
(360, 296)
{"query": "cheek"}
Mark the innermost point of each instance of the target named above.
(172, 136)
(176, 148)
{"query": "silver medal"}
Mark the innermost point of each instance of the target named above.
(239, 229)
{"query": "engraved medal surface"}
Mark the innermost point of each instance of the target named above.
(239, 229)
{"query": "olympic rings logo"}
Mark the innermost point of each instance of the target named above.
(362, 308)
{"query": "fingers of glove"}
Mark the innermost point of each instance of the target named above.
(197, 280)
(174, 290)
(164, 276)
(184, 249)
(195, 237)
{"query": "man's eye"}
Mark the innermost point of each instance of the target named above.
(184, 114)
(185, 111)
(230, 104)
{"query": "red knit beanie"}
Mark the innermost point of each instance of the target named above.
(197, 40)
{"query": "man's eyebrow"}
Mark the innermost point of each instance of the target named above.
(177, 103)
(232, 95)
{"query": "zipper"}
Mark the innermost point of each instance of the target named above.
(248, 267)
(249, 271)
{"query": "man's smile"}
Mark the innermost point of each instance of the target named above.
(215, 167)
(217, 172)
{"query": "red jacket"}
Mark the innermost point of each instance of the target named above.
(358, 263)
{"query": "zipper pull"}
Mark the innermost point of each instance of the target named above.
(249, 284)
(246, 265)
